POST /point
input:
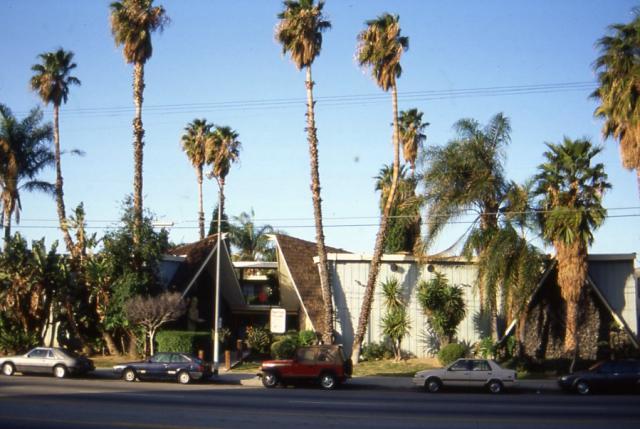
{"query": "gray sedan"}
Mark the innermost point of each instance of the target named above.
(467, 372)
(47, 360)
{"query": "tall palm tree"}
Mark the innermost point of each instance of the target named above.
(404, 224)
(618, 69)
(223, 150)
(467, 175)
(194, 143)
(412, 135)
(251, 240)
(24, 153)
(380, 48)
(51, 81)
(570, 188)
(132, 22)
(299, 31)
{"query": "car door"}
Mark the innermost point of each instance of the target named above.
(305, 364)
(178, 362)
(33, 362)
(49, 361)
(159, 366)
(480, 372)
(457, 374)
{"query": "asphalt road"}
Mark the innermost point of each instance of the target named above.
(45, 402)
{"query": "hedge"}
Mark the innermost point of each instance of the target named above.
(183, 341)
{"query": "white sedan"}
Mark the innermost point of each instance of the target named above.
(467, 372)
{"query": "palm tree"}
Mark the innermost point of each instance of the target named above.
(194, 143)
(618, 69)
(252, 241)
(404, 224)
(467, 175)
(299, 31)
(132, 22)
(223, 150)
(380, 47)
(570, 188)
(412, 135)
(51, 81)
(24, 153)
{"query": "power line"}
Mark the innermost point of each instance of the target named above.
(333, 101)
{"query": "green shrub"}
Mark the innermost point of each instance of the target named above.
(284, 348)
(306, 338)
(376, 351)
(182, 341)
(258, 339)
(451, 352)
(486, 348)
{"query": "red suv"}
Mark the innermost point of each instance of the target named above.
(325, 364)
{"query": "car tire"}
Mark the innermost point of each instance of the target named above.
(8, 369)
(495, 386)
(60, 371)
(433, 385)
(328, 381)
(184, 377)
(129, 375)
(582, 387)
(270, 380)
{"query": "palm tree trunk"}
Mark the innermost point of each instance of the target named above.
(200, 205)
(572, 274)
(374, 267)
(325, 283)
(221, 201)
(138, 145)
(7, 224)
(111, 344)
(62, 215)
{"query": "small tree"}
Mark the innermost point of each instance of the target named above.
(444, 306)
(151, 312)
(395, 323)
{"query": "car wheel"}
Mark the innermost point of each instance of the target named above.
(129, 375)
(269, 380)
(582, 387)
(59, 371)
(8, 369)
(433, 385)
(495, 386)
(328, 381)
(184, 377)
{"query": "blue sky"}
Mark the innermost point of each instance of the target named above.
(219, 60)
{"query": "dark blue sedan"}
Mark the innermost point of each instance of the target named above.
(181, 367)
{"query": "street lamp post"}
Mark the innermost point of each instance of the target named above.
(216, 306)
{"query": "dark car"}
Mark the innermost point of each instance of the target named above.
(324, 364)
(47, 360)
(623, 375)
(181, 367)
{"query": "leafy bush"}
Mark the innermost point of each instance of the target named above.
(376, 351)
(444, 306)
(284, 348)
(451, 352)
(486, 348)
(307, 338)
(258, 339)
(15, 340)
(182, 341)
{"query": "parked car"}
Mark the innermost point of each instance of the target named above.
(181, 367)
(605, 375)
(47, 360)
(326, 365)
(467, 372)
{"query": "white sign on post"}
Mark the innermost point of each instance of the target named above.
(278, 320)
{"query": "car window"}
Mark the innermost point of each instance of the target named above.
(306, 355)
(480, 365)
(37, 353)
(628, 367)
(461, 365)
(177, 358)
(608, 368)
(161, 358)
(50, 354)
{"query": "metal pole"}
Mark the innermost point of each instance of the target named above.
(216, 351)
